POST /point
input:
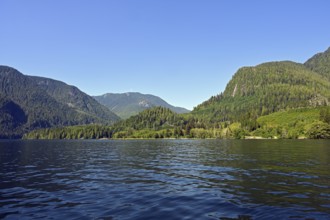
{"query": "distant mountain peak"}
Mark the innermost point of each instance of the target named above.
(131, 103)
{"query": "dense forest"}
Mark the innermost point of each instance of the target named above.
(160, 122)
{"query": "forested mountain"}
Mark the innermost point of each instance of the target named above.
(12, 118)
(131, 103)
(28, 103)
(264, 89)
(270, 100)
(320, 63)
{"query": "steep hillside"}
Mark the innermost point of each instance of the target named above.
(320, 63)
(129, 104)
(264, 89)
(12, 117)
(25, 105)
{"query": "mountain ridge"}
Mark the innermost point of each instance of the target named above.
(73, 97)
(320, 63)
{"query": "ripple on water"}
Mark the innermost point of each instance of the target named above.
(164, 179)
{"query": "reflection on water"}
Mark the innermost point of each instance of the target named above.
(165, 179)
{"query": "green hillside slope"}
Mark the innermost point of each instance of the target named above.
(264, 89)
(296, 123)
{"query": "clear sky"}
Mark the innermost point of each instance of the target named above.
(184, 51)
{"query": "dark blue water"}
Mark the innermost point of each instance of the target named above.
(165, 179)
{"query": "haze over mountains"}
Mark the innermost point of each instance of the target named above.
(128, 104)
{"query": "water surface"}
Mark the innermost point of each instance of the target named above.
(165, 179)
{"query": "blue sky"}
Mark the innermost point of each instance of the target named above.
(184, 51)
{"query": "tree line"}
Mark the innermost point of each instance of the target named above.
(160, 122)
